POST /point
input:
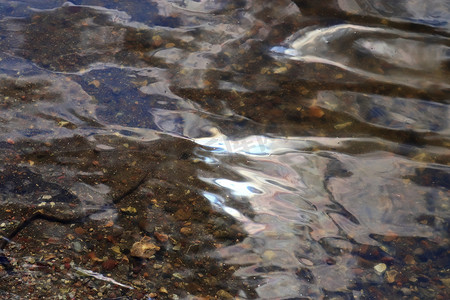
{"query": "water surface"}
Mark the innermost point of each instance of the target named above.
(229, 149)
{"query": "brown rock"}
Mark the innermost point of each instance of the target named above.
(144, 248)
(316, 112)
(109, 264)
(79, 230)
(183, 214)
(409, 259)
(161, 237)
(222, 294)
(186, 231)
(390, 275)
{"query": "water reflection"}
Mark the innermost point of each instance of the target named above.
(433, 13)
(387, 112)
(383, 54)
(224, 149)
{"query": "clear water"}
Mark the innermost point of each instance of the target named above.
(289, 149)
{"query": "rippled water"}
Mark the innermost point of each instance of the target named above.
(251, 149)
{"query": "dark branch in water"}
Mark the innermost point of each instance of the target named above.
(42, 215)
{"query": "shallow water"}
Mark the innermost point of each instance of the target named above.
(250, 149)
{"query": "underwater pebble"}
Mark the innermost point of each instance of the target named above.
(186, 231)
(380, 268)
(76, 246)
(30, 260)
(306, 262)
(222, 294)
(161, 237)
(144, 248)
(409, 259)
(390, 275)
(406, 291)
(446, 282)
(109, 264)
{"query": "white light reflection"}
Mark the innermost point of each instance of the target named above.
(238, 188)
(256, 145)
(251, 145)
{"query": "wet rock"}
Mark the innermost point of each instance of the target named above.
(161, 237)
(186, 230)
(446, 282)
(80, 230)
(390, 275)
(77, 246)
(380, 268)
(406, 291)
(222, 294)
(183, 214)
(109, 264)
(409, 259)
(144, 248)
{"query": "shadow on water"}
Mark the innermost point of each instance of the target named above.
(224, 149)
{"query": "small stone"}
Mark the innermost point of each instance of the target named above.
(144, 248)
(80, 230)
(109, 264)
(30, 260)
(163, 290)
(446, 282)
(342, 125)
(116, 249)
(390, 236)
(406, 291)
(419, 251)
(183, 214)
(280, 70)
(409, 259)
(76, 246)
(315, 112)
(222, 294)
(49, 256)
(103, 147)
(380, 268)
(390, 275)
(95, 83)
(269, 255)
(129, 210)
(157, 40)
(186, 231)
(306, 262)
(161, 237)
